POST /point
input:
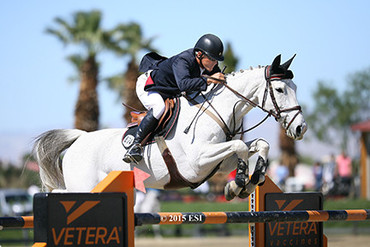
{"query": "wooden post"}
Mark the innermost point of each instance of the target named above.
(118, 181)
(257, 204)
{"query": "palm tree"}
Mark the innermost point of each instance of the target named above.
(129, 39)
(85, 31)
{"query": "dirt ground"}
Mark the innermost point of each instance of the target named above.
(334, 240)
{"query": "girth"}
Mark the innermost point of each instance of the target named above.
(177, 181)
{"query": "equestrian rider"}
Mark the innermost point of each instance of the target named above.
(168, 78)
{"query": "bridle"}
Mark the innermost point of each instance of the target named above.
(268, 91)
(278, 110)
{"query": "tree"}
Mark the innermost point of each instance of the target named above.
(230, 60)
(14, 177)
(289, 156)
(334, 112)
(130, 41)
(85, 31)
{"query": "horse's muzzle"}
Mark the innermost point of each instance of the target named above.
(300, 131)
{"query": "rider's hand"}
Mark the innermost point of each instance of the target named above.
(218, 75)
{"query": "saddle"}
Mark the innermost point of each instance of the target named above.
(164, 127)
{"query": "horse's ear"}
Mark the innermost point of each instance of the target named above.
(275, 64)
(287, 63)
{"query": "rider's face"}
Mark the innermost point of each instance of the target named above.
(208, 62)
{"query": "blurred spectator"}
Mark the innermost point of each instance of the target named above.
(328, 175)
(318, 173)
(282, 173)
(344, 169)
(344, 165)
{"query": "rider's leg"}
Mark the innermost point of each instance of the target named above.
(149, 99)
(154, 102)
(147, 125)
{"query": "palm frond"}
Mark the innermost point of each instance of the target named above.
(130, 39)
(64, 39)
(64, 25)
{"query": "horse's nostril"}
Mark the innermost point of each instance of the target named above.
(299, 130)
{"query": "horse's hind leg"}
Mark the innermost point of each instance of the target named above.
(80, 173)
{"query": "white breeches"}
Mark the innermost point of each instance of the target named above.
(151, 100)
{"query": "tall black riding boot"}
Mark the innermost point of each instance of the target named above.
(147, 125)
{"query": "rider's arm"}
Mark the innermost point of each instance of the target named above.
(186, 79)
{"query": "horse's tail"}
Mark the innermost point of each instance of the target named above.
(48, 148)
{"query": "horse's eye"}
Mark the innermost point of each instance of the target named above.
(279, 90)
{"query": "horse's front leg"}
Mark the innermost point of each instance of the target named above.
(258, 176)
(235, 187)
(228, 153)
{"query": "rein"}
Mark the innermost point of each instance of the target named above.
(268, 89)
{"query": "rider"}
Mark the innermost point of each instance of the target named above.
(168, 78)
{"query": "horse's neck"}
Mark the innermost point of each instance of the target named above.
(225, 103)
(249, 83)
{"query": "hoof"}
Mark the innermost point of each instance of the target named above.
(258, 178)
(263, 182)
(247, 190)
(229, 190)
(244, 194)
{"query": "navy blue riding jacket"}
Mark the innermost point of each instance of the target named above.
(174, 75)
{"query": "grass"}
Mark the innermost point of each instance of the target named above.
(339, 204)
(14, 237)
(203, 206)
(342, 204)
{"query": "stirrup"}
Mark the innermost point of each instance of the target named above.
(134, 157)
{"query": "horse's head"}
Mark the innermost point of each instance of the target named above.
(280, 98)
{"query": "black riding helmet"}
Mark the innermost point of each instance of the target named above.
(211, 45)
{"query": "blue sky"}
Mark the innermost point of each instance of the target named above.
(331, 39)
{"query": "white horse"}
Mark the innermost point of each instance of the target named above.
(212, 143)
